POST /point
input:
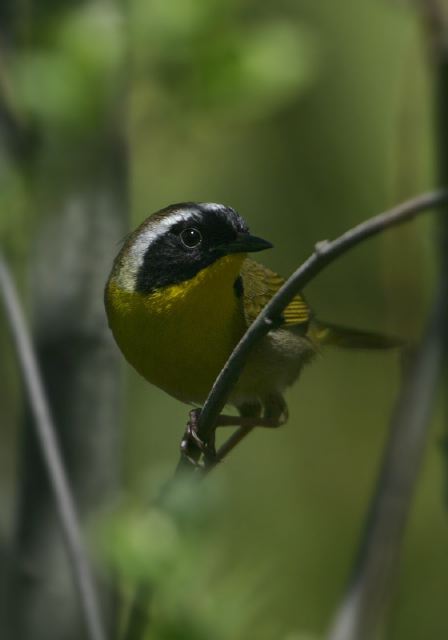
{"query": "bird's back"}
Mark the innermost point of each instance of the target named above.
(259, 285)
(277, 361)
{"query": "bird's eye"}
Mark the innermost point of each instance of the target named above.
(191, 238)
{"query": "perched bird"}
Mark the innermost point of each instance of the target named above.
(182, 292)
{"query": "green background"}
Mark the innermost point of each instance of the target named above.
(307, 117)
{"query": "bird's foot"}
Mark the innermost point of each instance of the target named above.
(192, 446)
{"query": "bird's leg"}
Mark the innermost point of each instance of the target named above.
(275, 414)
(192, 446)
(237, 421)
(250, 416)
(275, 411)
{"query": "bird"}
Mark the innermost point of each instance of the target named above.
(182, 292)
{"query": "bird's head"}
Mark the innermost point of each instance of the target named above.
(175, 243)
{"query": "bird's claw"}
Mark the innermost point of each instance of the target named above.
(192, 447)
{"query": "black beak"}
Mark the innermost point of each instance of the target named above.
(245, 243)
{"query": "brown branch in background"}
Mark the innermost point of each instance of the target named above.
(366, 602)
(50, 450)
(325, 253)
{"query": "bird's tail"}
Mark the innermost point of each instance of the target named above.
(347, 338)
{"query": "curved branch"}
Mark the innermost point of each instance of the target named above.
(324, 254)
(50, 451)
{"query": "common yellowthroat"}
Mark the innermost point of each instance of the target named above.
(182, 292)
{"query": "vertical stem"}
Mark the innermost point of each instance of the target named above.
(78, 193)
(366, 602)
(438, 39)
(435, 22)
(50, 451)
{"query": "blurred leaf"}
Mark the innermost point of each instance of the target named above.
(174, 551)
(71, 81)
(93, 36)
(198, 59)
(51, 88)
(141, 545)
(263, 69)
(161, 25)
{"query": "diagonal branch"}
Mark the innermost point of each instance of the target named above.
(51, 454)
(325, 253)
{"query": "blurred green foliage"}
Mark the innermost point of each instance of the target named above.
(68, 79)
(307, 118)
(208, 60)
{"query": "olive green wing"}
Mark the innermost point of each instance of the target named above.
(259, 285)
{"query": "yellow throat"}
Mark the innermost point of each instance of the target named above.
(179, 336)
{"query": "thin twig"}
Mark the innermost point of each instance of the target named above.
(325, 253)
(50, 451)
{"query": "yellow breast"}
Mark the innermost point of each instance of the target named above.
(180, 336)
